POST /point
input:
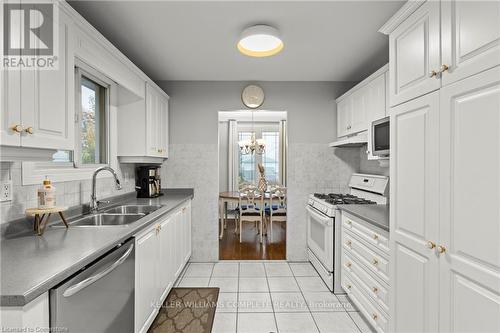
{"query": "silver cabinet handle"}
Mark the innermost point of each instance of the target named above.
(94, 278)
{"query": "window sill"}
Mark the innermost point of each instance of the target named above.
(33, 174)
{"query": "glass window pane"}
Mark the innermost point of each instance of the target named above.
(271, 157)
(63, 156)
(247, 167)
(93, 122)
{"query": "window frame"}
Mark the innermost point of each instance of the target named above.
(258, 128)
(34, 172)
(77, 156)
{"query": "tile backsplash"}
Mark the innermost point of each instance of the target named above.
(69, 194)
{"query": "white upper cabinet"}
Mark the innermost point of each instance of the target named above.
(359, 106)
(414, 55)
(148, 120)
(440, 42)
(469, 224)
(470, 32)
(365, 102)
(344, 115)
(38, 104)
(47, 104)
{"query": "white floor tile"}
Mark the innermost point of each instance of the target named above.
(225, 270)
(226, 285)
(256, 323)
(224, 323)
(252, 285)
(295, 322)
(252, 269)
(283, 283)
(323, 301)
(361, 322)
(194, 282)
(334, 322)
(254, 302)
(311, 284)
(347, 304)
(227, 302)
(289, 302)
(278, 269)
(199, 270)
(303, 269)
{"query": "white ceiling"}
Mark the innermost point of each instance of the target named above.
(196, 40)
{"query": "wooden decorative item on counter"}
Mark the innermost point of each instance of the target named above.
(42, 217)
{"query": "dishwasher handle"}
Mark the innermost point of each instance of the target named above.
(94, 278)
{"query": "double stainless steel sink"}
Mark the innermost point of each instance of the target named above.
(114, 216)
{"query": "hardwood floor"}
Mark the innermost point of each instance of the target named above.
(250, 248)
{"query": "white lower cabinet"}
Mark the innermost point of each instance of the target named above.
(365, 266)
(32, 317)
(161, 254)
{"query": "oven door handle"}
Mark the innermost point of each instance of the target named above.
(94, 278)
(325, 220)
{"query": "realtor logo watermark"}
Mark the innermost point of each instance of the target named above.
(30, 35)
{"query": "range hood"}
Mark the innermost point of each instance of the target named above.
(356, 140)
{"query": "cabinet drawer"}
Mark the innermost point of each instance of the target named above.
(372, 236)
(372, 260)
(376, 290)
(375, 317)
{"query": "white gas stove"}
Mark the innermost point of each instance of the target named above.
(323, 234)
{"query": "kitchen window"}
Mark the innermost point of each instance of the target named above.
(92, 103)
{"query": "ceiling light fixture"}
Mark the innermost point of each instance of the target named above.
(260, 41)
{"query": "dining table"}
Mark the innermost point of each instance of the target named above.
(233, 197)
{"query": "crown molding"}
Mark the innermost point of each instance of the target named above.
(402, 14)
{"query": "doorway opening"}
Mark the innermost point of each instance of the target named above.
(252, 185)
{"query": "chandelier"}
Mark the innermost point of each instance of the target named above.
(252, 145)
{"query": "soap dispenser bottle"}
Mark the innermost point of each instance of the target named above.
(46, 195)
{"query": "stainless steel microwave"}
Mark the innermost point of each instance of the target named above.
(380, 139)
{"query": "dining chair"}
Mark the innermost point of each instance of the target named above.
(277, 209)
(250, 208)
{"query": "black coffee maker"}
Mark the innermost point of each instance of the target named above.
(147, 181)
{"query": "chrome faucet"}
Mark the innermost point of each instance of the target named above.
(94, 204)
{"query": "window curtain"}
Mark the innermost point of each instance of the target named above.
(232, 156)
(283, 151)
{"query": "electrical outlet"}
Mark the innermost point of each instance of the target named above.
(6, 194)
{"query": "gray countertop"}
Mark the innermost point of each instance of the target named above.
(378, 215)
(31, 264)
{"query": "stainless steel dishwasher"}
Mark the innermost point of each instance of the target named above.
(100, 298)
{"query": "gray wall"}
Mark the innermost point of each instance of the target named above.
(312, 165)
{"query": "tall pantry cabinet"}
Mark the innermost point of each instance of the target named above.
(445, 166)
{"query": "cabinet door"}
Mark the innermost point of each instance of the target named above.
(146, 277)
(344, 108)
(470, 195)
(414, 215)
(151, 122)
(10, 103)
(166, 279)
(413, 53)
(375, 106)
(358, 112)
(470, 37)
(179, 244)
(47, 106)
(188, 230)
(164, 127)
